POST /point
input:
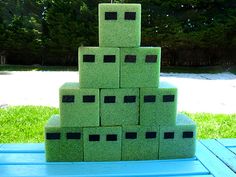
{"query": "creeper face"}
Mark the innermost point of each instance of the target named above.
(78, 107)
(102, 144)
(99, 67)
(140, 143)
(158, 106)
(119, 25)
(140, 67)
(119, 106)
(178, 141)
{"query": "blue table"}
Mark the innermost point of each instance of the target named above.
(214, 157)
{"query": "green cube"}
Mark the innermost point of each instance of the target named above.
(119, 106)
(119, 25)
(79, 107)
(140, 143)
(178, 141)
(102, 144)
(158, 106)
(99, 67)
(72, 144)
(140, 67)
(53, 139)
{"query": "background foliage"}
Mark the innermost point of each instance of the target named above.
(48, 32)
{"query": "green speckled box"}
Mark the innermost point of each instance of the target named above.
(72, 146)
(178, 141)
(140, 142)
(119, 25)
(158, 106)
(119, 106)
(79, 107)
(140, 67)
(53, 139)
(102, 144)
(99, 67)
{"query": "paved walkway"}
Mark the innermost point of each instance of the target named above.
(215, 93)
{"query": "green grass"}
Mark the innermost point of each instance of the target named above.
(215, 125)
(25, 124)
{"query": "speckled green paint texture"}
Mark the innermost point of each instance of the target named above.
(99, 74)
(140, 73)
(72, 147)
(120, 112)
(119, 32)
(178, 147)
(158, 112)
(140, 148)
(102, 150)
(78, 113)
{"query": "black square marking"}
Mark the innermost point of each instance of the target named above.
(131, 135)
(169, 135)
(151, 135)
(130, 15)
(188, 134)
(94, 137)
(130, 58)
(168, 98)
(53, 136)
(151, 59)
(89, 58)
(110, 15)
(73, 136)
(89, 98)
(111, 137)
(129, 99)
(68, 99)
(109, 99)
(149, 98)
(109, 59)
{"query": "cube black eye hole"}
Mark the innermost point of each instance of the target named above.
(130, 15)
(110, 15)
(89, 58)
(113, 16)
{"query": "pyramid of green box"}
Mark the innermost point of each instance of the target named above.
(119, 110)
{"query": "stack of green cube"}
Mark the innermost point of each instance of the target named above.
(119, 110)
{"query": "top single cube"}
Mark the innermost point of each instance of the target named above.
(119, 25)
